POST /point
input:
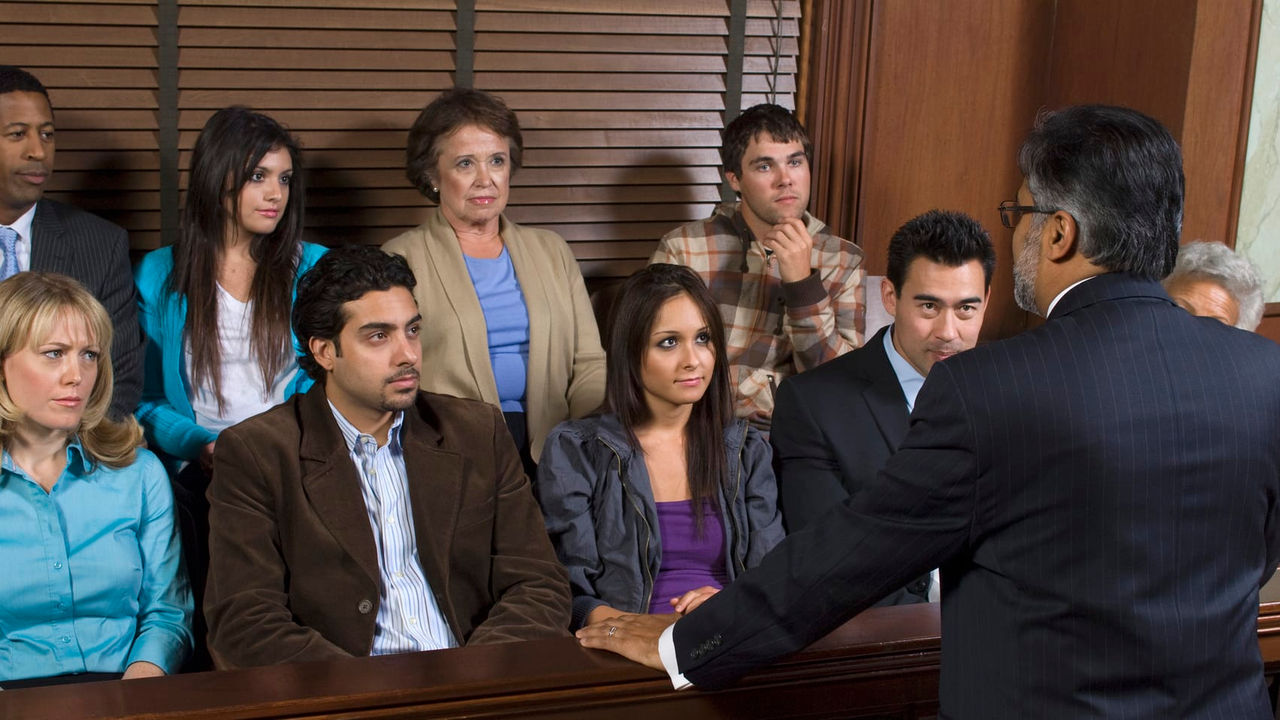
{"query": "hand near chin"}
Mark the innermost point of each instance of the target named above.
(791, 245)
(634, 637)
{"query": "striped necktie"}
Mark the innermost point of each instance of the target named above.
(9, 244)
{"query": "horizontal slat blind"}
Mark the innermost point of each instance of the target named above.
(98, 61)
(621, 104)
(347, 77)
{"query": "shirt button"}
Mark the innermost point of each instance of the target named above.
(364, 607)
(57, 566)
(413, 621)
(65, 638)
(399, 574)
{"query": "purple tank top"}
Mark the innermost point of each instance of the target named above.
(688, 561)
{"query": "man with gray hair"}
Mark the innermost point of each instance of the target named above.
(1102, 496)
(1211, 280)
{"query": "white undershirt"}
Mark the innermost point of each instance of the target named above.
(242, 388)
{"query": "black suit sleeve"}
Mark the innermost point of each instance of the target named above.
(917, 514)
(119, 296)
(809, 477)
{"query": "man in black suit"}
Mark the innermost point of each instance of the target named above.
(48, 236)
(837, 424)
(1102, 493)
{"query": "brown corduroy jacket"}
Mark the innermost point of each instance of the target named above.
(293, 571)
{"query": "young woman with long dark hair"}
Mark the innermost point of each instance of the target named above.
(657, 504)
(215, 308)
(215, 305)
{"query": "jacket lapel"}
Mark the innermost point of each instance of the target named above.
(883, 395)
(435, 477)
(48, 251)
(532, 287)
(331, 483)
(445, 255)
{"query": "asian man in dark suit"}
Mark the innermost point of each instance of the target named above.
(1101, 493)
(838, 423)
(45, 235)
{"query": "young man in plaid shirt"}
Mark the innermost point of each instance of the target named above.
(791, 293)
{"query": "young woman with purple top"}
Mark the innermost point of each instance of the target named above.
(657, 504)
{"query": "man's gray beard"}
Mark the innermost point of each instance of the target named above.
(1024, 271)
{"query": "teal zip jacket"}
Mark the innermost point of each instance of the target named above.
(165, 410)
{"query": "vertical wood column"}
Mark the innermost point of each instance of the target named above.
(837, 39)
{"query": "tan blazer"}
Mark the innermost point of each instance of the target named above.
(293, 568)
(566, 362)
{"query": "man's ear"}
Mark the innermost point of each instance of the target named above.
(734, 183)
(888, 297)
(323, 351)
(1060, 236)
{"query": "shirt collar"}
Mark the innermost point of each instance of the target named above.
(1066, 290)
(23, 224)
(909, 378)
(79, 464)
(352, 436)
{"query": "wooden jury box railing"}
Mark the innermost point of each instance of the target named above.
(882, 663)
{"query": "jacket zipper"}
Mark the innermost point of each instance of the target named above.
(644, 553)
(742, 445)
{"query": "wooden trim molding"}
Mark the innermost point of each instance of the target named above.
(833, 79)
(882, 663)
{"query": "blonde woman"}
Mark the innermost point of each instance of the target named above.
(91, 587)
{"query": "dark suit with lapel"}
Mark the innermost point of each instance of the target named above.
(293, 570)
(834, 427)
(96, 253)
(1101, 494)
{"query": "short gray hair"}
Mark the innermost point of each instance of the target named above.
(1234, 273)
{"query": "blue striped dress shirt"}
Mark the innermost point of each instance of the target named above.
(409, 618)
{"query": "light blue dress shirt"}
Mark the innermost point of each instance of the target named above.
(908, 377)
(91, 577)
(409, 618)
(506, 320)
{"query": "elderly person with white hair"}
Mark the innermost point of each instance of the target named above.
(1211, 280)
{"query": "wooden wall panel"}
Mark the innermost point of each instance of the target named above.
(951, 91)
(1270, 327)
(833, 106)
(1215, 126)
(1135, 53)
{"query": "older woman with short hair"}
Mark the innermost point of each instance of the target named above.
(1212, 280)
(506, 317)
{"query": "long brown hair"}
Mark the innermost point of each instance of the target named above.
(228, 150)
(639, 301)
(33, 303)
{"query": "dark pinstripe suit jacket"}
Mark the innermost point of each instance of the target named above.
(834, 427)
(1101, 494)
(96, 253)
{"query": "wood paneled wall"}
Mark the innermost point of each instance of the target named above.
(951, 89)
